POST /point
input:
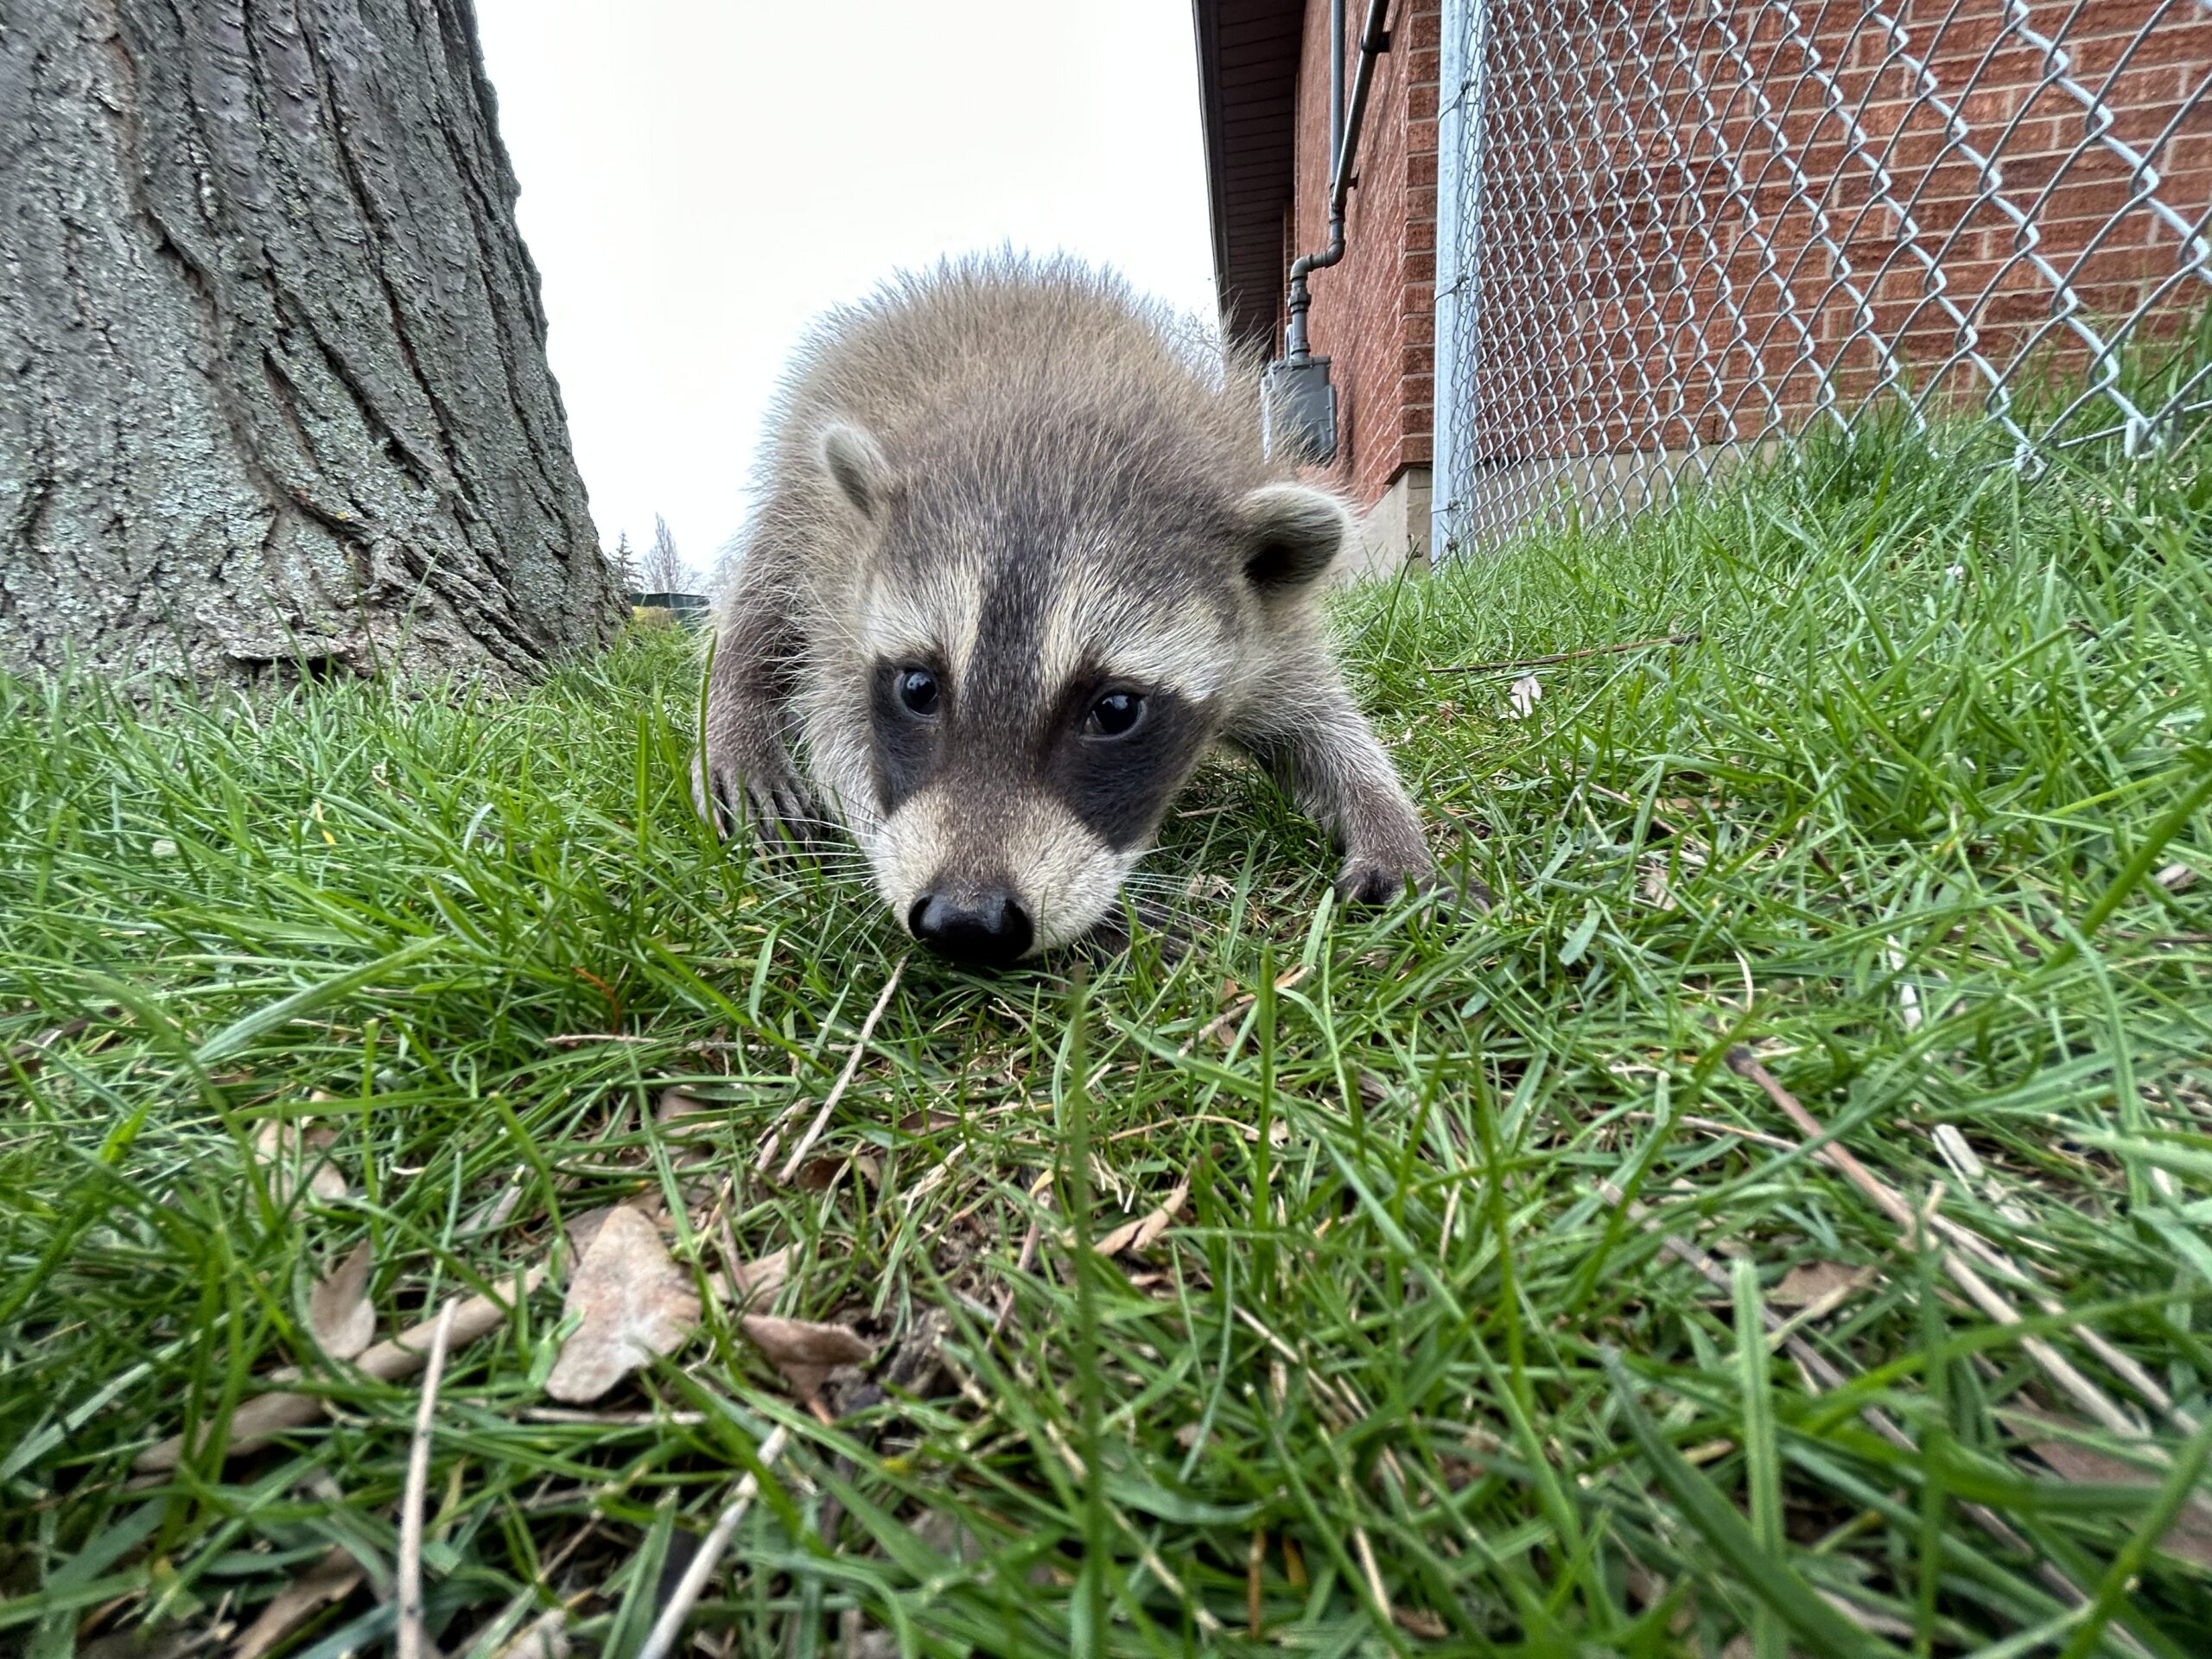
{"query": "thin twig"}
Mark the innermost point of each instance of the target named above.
(1564, 656)
(414, 1642)
(265, 1417)
(2122, 1365)
(1820, 1373)
(662, 1637)
(836, 1093)
(2061, 1370)
(612, 1418)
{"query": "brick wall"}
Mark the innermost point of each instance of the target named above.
(1373, 313)
(1682, 234)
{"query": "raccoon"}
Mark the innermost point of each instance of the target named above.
(1019, 557)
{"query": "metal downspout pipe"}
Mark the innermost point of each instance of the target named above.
(1344, 150)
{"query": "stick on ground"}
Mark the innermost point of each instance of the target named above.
(661, 1639)
(414, 1642)
(836, 1093)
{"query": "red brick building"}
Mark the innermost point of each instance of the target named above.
(1264, 73)
(1697, 224)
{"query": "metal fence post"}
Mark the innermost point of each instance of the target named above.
(1457, 298)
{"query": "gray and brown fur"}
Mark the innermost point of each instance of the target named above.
(1018, 477)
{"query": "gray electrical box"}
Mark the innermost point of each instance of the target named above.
(1301, 409)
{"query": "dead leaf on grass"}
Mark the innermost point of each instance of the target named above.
(253, 1423)
(332, 1579)
(1421, 1621)
(803, 1351)
(635, 1304)
(547, 1637)
(2189, 1537)
(498, 1209)
(1811, 1284)
(758, 1281)
(816, 1174)
(293, 1157)
(928, 1123)
(339, 1315)
(1224, 1030)
(676, 1105)
(1138, 1234)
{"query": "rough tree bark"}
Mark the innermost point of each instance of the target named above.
(273, 388)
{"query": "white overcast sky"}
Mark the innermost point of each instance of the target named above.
(700, 179)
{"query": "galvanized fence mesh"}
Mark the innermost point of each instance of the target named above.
(1669, 231)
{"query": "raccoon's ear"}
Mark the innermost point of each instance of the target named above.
(1292, 534)
(856, 464)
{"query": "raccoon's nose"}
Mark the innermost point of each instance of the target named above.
(989, 930)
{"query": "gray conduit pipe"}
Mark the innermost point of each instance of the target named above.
(1344, 146)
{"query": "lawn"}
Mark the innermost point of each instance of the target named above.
(1779, 1226)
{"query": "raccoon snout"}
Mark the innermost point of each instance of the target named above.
(989, 929)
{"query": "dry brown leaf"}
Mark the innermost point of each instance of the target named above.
(635, 1304)
(2189, 1537)
(677, 1108)
(287, 1154)
(582, 1228)
(1812, 1283)
(1224, 1030)
(546, 1637)
(253, 1423)
(816, 1174)
(496, 1211)
(928, 1123)
(1136, 1235)
(331, 1579)
(758, 1281)
(339, 1311)
(1421, 1621)
(805, 1353)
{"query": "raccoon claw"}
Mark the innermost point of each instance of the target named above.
(1371, 882)
(777, 816)
(783, 819)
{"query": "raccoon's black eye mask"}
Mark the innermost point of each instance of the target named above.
(1112, 752)
(1117, 714)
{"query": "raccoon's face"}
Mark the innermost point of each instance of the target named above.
(1041, 678)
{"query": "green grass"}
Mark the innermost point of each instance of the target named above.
(1893, 825)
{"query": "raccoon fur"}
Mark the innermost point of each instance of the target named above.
(1018, 558)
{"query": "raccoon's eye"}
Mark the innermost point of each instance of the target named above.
(1115, 714)
(917, 691)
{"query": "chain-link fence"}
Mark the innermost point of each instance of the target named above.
(1669, 231)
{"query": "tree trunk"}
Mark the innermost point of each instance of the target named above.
(273, 389)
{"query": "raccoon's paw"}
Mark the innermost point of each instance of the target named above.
(1370, 881)
(770, 801)
(1376, 879)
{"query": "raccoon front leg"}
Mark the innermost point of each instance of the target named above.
(1327, 756)
(743, 768)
